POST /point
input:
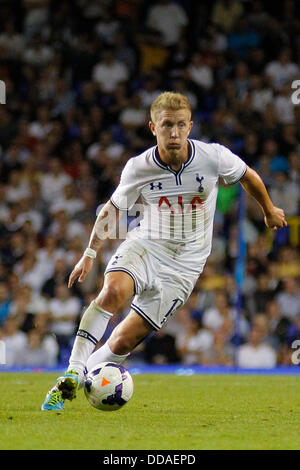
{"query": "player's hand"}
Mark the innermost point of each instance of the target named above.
(81, 270)
(275, 219)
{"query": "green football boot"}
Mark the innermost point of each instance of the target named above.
(65, 389)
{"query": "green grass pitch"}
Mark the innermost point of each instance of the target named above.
(166, 412)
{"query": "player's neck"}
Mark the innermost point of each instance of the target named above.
(174, 159)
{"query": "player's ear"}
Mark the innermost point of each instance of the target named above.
(191, 125)
(152, 127)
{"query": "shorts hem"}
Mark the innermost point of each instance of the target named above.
(127, 272)
(142, 314)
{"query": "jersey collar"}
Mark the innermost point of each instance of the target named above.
(161, 164)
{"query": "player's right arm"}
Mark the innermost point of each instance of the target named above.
(123, 198)
(104, 226)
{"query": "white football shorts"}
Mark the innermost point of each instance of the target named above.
(159, 289)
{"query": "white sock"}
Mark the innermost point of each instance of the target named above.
(91, 329)
(104, 354)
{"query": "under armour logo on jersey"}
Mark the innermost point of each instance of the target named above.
(155, 186)
(200, 179)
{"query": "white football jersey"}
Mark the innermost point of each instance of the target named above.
(177, 206)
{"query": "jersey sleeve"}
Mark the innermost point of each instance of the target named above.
(231, 167)
(128, 190)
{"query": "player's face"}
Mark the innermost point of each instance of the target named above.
(171, 129)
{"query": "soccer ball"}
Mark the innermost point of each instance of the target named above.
(108, 386)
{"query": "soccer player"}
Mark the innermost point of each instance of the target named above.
(160, 260)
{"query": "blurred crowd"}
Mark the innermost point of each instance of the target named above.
(80, 77)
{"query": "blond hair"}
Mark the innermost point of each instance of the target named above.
(169, 100)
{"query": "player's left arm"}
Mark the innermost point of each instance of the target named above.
(252, 183)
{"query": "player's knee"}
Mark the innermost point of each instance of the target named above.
(120, 344)
(112, 297)
(123, 342)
